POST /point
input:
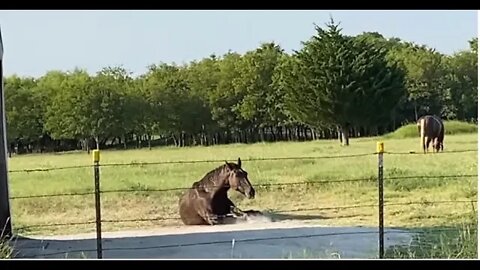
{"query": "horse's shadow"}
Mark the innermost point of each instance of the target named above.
(282, 216)
(278, 216)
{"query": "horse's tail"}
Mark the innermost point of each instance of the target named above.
(422, 133)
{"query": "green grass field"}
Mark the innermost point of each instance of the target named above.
(284, 201)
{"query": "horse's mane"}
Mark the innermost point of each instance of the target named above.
(209, 179)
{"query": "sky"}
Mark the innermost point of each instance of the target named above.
(39, 41)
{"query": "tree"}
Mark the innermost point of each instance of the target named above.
(258, 105)
(23, 110)
(110, 113)
(67, 111)
(460, 99)
(342, 81)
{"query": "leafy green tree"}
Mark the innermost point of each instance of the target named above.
(342, 81)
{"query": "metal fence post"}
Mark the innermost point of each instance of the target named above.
(98, 218)
(380, 150)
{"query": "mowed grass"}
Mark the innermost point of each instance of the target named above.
(144, 201)
(452, 127)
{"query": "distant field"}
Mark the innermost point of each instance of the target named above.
(148, 205)
(451, 128)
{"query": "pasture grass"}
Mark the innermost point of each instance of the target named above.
(452, 243)
(6, 250)
(452, 127)
(313, 201)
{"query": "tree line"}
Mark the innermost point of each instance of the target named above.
(334, 85)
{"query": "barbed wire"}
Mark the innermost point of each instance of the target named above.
(371, 178)
(188, 162)
(223, 160)
(270, 211)
(51, 195)
(422, 153)
(399, 231)
(363, 179)
(50, 169)
(273, 212)
(255, 186)
(431, 176)
(55, 225)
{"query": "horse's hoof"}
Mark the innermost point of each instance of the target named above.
(254, 213)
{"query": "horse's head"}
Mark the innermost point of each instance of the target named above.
(238, 179)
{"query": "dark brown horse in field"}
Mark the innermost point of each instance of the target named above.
(206, 202)
(431, 129)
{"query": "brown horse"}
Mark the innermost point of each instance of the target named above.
(432, 129)
(206, 202)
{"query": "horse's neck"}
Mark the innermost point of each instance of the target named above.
(215, 184)
(219, 186)
(219, 193)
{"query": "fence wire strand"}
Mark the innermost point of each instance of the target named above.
(270, 211)
(422, 153)
(55, 225)
(188, 162)
(223, 160)
(364, 179)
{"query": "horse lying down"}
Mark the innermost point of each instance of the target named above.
(207, 203)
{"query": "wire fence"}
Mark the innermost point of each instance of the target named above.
(268, 210)
(379, 180)
(223, 160)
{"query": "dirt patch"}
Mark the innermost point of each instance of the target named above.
(257, 237)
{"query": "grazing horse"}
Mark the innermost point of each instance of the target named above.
(432, 129)
(206, 202)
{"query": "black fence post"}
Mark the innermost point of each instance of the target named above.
(98, 217)
(5, 215)
(380, 150)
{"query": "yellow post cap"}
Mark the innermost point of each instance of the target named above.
(96, 155)
(380, 147)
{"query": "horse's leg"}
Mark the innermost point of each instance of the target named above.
(233, 209)
(428, 143)
(237, 212)
(438, 144)
(424, 142)
(205, 211)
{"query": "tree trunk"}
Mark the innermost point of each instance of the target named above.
(175, 140)
(274, 138)
(262, 134)
(416, 115)
(340, 134)
(97, 142)
(345, 136)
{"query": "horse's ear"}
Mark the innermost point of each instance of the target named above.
(239, 162)
(229, 165)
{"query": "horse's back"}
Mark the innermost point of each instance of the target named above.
(433, 126)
